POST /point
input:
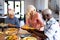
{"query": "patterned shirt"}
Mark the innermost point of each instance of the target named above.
(52, 30)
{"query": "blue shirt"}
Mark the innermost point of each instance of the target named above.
(13, 21)
(52, 30)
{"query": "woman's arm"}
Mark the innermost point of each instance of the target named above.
(40, 20)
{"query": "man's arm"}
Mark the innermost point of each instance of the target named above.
(11, 25)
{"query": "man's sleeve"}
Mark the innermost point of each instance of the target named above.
(17, 23)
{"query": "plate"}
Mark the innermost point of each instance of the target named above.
(11, 31)
(29, 38)
(3, 24)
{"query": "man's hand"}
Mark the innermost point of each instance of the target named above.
(9, 24)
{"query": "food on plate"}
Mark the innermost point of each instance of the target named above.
(1, 33)
(12, 37)
(29, 38)
(11, 31)
(3, 24)
(27, 27)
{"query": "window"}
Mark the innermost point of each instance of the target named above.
(18, 5)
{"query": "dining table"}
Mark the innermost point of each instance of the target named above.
(36, 32)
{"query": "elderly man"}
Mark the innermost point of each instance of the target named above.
(52, 29)
(11, 20)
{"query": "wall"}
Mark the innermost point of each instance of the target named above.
(26, 3)
(1, 7)
(59, 16)
(41, 4)
(52, 5)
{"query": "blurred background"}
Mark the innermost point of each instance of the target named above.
(20, 7)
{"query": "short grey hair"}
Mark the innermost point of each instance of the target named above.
(47, 11)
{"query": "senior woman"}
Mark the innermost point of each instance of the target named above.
(33, 18)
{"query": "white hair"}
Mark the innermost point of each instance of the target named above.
(30, 8)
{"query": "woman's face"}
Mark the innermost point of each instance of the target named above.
(32, 12)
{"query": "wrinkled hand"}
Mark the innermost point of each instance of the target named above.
(9, 24)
